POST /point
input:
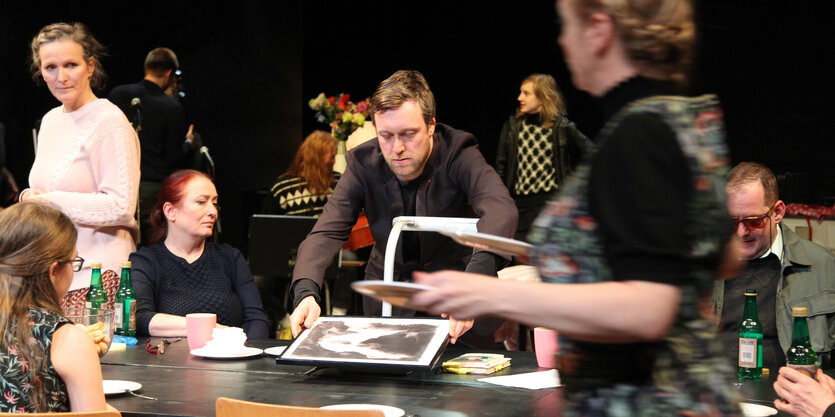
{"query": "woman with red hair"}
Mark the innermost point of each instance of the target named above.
(304, 189)
(182, 273)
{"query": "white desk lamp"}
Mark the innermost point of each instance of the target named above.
(419, 224)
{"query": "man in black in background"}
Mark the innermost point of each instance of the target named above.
(159, 120)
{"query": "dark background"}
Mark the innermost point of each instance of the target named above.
(251, 66)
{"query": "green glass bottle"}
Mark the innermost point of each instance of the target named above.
(750, 340)
(96, 297)
(125, 304)
(800, 355)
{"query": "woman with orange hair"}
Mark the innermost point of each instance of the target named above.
(304, 189)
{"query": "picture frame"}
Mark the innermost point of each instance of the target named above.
(385, 344)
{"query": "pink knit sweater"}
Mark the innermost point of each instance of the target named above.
(88, 166)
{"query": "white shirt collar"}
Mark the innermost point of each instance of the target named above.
(777, 246)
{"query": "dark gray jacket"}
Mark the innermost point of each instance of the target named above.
(568, 143)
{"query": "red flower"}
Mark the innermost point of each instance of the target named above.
(10, 397)
(343, 101)
(12, 350)
(331, 99)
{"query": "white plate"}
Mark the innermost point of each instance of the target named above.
(754, 410)
(113, 386)
(247, 352)
(395, 293)
(492, 243)
(275, 351)
(388, 410)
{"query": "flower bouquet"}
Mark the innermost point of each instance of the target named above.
(343, 116)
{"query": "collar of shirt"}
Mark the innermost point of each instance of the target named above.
(777, 246)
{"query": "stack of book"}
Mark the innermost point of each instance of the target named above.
(476, 363)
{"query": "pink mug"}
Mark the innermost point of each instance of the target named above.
(546, 347)
(199, 328)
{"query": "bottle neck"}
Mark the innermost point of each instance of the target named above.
(95, 279)
(124, 280)
(800, 331)
(750, 311)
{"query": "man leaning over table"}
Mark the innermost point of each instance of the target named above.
(786, 270)
(415, 167)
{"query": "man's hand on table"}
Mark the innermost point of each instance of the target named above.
(802, 396)
(304, 315)
(458, 327)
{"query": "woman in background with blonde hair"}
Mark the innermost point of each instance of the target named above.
(538, 148)
(46, 363)
(304, 189)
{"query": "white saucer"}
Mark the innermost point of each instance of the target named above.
(113, 386)
(245, 353)
(388, 410)
(755, 410)
(395, 293)
(275, 351)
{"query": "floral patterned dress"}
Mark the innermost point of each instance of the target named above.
(684, 373)
(16, 375)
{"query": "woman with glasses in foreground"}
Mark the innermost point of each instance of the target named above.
(46, 363)
(631, 245)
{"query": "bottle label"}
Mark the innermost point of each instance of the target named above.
(747, 352)
(118, 318)
(810, 370)
(131, 319)
(88, 304)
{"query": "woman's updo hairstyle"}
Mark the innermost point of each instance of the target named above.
(658, 34)
(78, 33)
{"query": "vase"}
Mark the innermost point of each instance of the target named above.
(340, 164)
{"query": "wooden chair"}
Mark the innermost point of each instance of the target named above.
(228, 407)
(73, 414)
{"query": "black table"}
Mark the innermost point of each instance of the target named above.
(186, 385)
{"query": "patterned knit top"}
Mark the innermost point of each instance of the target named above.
(534, 159)
(219, 282)
(15, 373)
(290, 196)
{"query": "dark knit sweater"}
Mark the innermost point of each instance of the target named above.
(290, 196)
(219, 282)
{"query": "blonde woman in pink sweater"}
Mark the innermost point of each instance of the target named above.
(87, 162)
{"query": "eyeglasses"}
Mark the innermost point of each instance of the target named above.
(77, 263)
(752, 222)
(159, 348)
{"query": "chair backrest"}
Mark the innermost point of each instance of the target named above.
(273, 242)
(74, 414)
(228, 407)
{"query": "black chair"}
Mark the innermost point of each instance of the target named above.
(273, 243)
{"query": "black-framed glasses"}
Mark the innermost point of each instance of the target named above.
(752, 222)
(77, 263)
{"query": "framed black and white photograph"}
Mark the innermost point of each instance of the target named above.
(370, 343)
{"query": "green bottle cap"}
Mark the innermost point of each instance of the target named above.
(800, 312)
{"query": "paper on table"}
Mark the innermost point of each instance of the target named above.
(530, 380)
